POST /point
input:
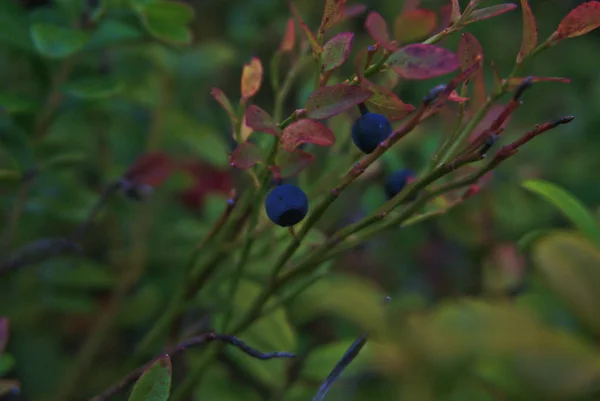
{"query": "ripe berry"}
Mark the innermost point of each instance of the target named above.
(397, 181)
(369, 130)
(286, 205)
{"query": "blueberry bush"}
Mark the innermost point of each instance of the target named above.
(169, 235)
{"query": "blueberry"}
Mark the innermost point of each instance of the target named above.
(369, 130)
(397, 181)
(286, 205)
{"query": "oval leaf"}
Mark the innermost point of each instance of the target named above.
(252, 75)
(306, 131)
(331, 100)
(378, 29)
(167, 20)
(336, 51)
(581, 20)
(3, 333)
(490, 12)
(454, 11)
(289, 37)
(222, 99)
(290, 164)
(469, 49)
(385, 102)
(151, 169)
(530, 32)
(571, 266)
(334, 12)
(155, 382)
(570, 206)
(422, 61)
(94, 88)
(414, 24)
(57, 42)
(246, 155)
(260, 120)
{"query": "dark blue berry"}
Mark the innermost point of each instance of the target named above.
(369, 130)
(286, 205)
(397, 181)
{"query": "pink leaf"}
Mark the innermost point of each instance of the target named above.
(530, 32)
(515, 82)
(3, 333)
(378, 29)
(252, 75)
(410, 5)
(454, 10)
(469, 49)
(151, 169)
(222, 99)
(494, 112)
(329, 101)
(455, 97)
(490, 12)
(246, 155)
(333, 13)
(421, 61)
(314, 44)
(260, 120)
(291, 164)
(581, 20)
(354, 10)
(289, 37)
(414, 24)
(306, 131)
(337, 50)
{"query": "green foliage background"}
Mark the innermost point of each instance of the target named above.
(125, 93)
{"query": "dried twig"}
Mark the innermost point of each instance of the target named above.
(192, 342)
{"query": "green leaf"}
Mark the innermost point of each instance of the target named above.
(141, 307)
(83, 275)
(155, 382)
(57, 42)
(571, 207)
(93, 88)
(14, 27)
(269, 334)
(17, 103)
(111, 32)
(167, 20)
(7, 362)
(63, 160)
(571, 266)
(221, 384)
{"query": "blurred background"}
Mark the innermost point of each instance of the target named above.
(127, 94)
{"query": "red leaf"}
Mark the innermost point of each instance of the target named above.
(490, 12)
(415, 24)
(530, 32)
(290, 164)
(454, 11)
(224, 102)
(581, 20)
(496, 78)
(252, 75)
(246, 155)
(289, 37)
(151, 169)
(354, 11)
(306, 131)
(469, 49)
(3, 333)
(421, 61)
(314, 44)
(337, 50)
(515, 82)
(206, 179)
(260, 120)
(329, 101)
(334, 12)
(494, 112)
(410, 5)
(378, 29)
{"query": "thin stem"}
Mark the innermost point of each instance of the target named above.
(183, 346)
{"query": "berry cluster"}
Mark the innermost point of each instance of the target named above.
(287, 205)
